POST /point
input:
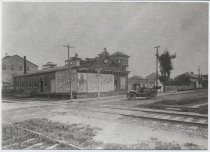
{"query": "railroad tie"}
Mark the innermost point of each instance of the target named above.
(166, 117)
(48, 137)
(29, 140)
(8, 146)
(35, 145)
(188, 120)
(177, 118)
(51, 147)
(203, 121)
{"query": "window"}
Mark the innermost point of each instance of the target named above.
(35, 82)
(27, 68)
(18, 82)
(4, 67)
(30, 82)
(12, 67)
(115, 84)
(45, 81)
(22, 83)
(20, 68)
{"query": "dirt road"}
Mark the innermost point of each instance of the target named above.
(115, 129)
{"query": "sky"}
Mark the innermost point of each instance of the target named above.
(39, 31)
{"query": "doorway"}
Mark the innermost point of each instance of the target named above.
(136, 86)
(41, 84)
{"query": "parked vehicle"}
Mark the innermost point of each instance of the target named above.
(143, 92)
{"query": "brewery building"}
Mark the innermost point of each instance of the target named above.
(104, 75)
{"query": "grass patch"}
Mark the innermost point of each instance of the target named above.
(191, 146)
(181, 103)
(153, 145)
(76, 134)
(166, 146)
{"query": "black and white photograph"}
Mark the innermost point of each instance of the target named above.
(104, 75)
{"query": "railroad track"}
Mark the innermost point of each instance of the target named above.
(161, 115)
(22, 138)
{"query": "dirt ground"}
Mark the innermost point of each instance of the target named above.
(113, 129)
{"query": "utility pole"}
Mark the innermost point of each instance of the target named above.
(98, 76)
(70, 90)
(157, 56)
(199, 75)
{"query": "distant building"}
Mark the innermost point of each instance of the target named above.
(196, 80)
(152, 80)
(14, 65)
(204, 80)
(74, 61)
(149, 81)
(136, 82)
(105, 73)
(49, 65)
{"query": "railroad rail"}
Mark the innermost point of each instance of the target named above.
(150, 114)
(33, 140)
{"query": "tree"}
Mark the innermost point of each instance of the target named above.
(182, 79)
(166, 66)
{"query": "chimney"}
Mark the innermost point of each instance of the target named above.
(24, 64)
(76, 55)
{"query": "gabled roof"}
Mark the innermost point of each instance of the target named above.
(120, 54)
(191, 75)
(151, 76)
(137, 79)
(45, 71)
(17, 56)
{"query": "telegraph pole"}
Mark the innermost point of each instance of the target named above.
(199, 75)
(98, 75)
(70, 90)
(157, 56)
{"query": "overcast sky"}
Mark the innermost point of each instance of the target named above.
(39, 30)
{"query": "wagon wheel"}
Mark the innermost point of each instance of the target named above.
(131, 96)
(149, 96)
(155, 95)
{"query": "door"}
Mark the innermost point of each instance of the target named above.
(41, 84)
(136, 86)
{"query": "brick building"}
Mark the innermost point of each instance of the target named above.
(14, 65)
(105, 73)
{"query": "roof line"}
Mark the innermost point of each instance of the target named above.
(22, 58)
